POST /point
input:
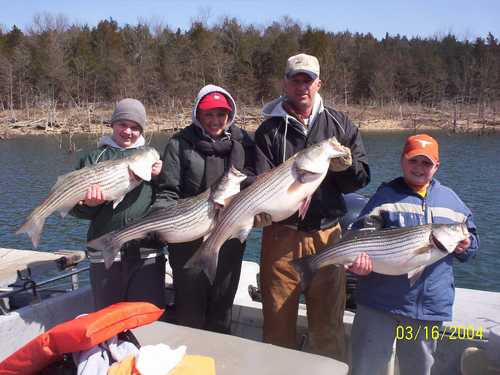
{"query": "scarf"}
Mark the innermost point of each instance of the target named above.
(216, 154)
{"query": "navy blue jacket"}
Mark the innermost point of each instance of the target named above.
(395, 204)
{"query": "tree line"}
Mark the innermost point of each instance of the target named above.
(74, 65)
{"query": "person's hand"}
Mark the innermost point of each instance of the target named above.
(156, 169)
(262, 220)
(94, 196)
(462, 246)
(342, 163)
(362, 265)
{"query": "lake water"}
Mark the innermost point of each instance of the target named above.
(470, 165)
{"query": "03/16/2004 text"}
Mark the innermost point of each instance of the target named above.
(436, 332)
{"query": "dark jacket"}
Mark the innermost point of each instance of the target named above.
(395, 204)
(183, 173)
(104, 218)
(327, 203)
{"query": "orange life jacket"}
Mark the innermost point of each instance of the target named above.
(79, 334)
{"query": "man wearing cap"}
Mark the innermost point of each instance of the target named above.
(392, 308)
(194, 159)
(293, 122)
(138, 274)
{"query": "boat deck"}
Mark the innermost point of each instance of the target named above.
(39, 263)
(472, 309)
(235, 355)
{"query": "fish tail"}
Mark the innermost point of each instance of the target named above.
(204, 260)
(109, 247)
(306, 271)
(109, 255)
(33, 228)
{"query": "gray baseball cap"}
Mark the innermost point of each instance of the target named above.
(302, 63)
(132, 110)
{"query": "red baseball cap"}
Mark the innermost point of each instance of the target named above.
(421, 144)
(214, 100)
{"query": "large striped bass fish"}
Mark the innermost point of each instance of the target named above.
(394, 251)
(115, 177)
(182, 221)
(279, 192)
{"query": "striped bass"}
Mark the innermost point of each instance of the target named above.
(115, 177)
(182, 221)
(279, 192)
(394, 251)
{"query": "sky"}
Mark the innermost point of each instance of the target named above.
(466, 19)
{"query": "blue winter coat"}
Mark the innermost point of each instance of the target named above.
(395, 204)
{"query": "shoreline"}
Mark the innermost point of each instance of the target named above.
(391, 118)
(8, 134)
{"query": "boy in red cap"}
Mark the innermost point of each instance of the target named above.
(386, 304)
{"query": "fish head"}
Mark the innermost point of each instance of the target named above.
(316, 158)
(447, 236)
(141, 162)
(227, 186)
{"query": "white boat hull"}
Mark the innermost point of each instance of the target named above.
(472, 308)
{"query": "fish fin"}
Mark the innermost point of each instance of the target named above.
(63, 211)
(105, 242)
(415, 274)
(204, 260)
(33, 228)
(117, 201)
(305, 270)
(141, 168)
(304, 206)
(109, 256)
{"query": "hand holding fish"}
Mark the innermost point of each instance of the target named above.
(393, 251)
(280, 193)
(94, 196)
(83, 186)
(362, 265)
(262, 220)
(156, 168)
(462, 246)
(175, 222)
(341, 163)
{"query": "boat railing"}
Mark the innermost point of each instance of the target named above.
(38, 289)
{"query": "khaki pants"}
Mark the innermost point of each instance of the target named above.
(325, 296)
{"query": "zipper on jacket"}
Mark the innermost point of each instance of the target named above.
(420, 306)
